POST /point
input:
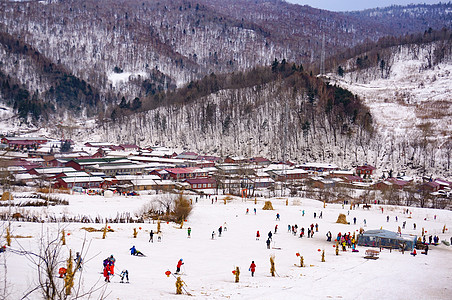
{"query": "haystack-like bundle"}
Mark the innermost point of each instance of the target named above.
(342, 219)
(6, 195)
(268, 205)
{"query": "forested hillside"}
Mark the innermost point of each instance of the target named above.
(135, 48)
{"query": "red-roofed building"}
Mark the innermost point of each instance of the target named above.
(23, 141)
(365, 170)
(398, 183)
(186, 173)
(352, 178)
(430, 186)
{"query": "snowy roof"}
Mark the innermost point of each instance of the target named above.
(54, 170)
(290, 171)
(382, 233)
(25, 138)
(342, 172)
(319, 165)
(185, 170)
(137, 177)
(82, 179)
(120, 166)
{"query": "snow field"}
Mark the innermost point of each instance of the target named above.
(209, 263)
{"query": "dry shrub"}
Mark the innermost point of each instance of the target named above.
(182, 208)
(6, 196)
(268, 205)
(227, 198)
(91, 229)
(342, 219)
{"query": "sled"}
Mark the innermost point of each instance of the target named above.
(371, 254)
(354, 250)
(446, 243)
(277, 248)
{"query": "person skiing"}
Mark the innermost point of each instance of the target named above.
(179, 264)
(268, 243)
(258, 235)
(252, 268)
(220, 230)
(354, 221)
(276, 228)
(189, 231)
(151, 236)
(302, 213)
(254, 210)
(225, 226)
(111, 262)
(78, 261)
(159, 236)
(426, 249)
(277, 216)
(213, 235)
(270, 235)
(107, 273)
(247, 211)
(124, 274)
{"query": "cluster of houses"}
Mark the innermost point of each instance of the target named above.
(126, 167)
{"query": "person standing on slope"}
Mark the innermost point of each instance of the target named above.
(252, 268)
(179, 264)
(151, 236)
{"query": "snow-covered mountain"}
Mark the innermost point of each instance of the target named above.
(117, 64)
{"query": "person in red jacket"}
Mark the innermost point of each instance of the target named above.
(179, 264)
(252, 268)
(107, 273)
(258, 235)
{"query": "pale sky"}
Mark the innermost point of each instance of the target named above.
(347, 5)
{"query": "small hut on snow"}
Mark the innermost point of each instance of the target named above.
(386, 239)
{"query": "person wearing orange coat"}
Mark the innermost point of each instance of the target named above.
(252, 268)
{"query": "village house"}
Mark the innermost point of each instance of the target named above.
(443, 184)
(319, 167)
(24, 141)
(290, 174)
(430, 186)
(261, 161)
(202, 183)
(84, 182)
(365, 170)
(179, 174)
(50, 172)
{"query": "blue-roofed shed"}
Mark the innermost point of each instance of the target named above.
(386, 239)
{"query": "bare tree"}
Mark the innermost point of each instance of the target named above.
(50, 257)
